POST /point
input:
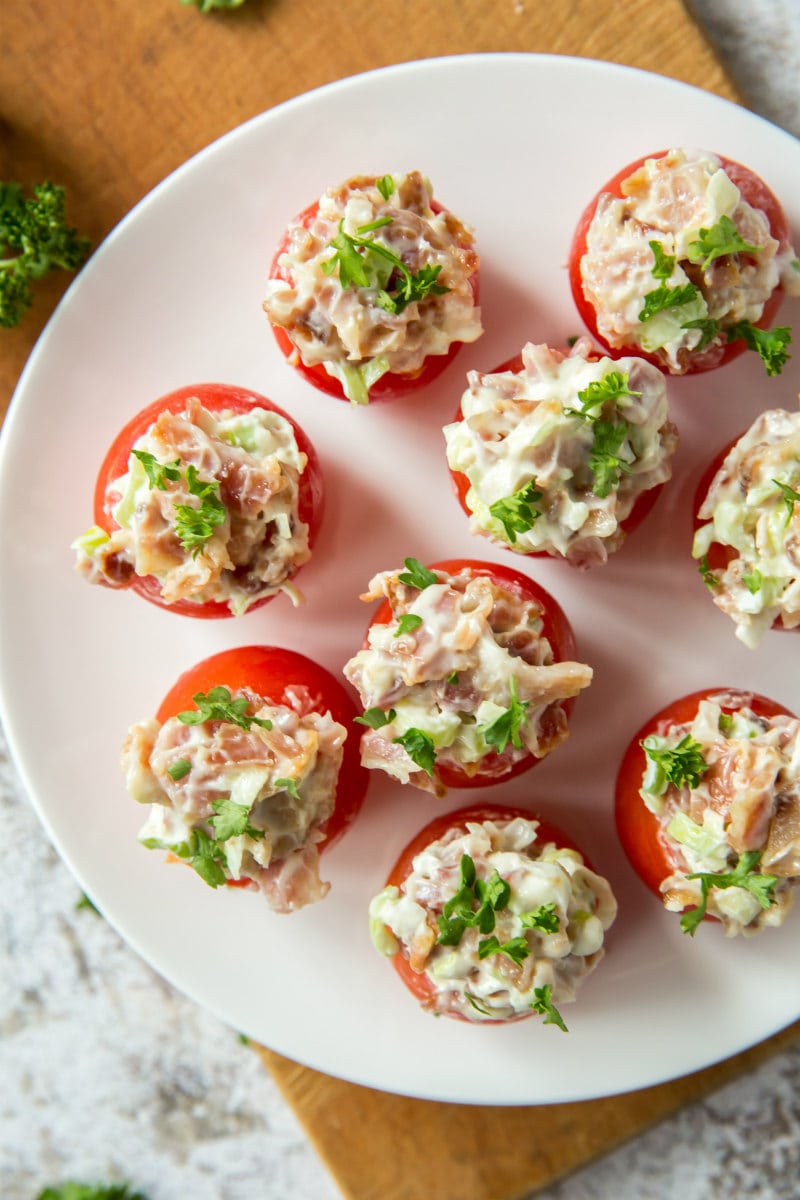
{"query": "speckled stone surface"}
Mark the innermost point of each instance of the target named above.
(107, 1073)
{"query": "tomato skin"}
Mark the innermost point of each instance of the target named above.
(555, 627)
(269, 671)
(390, 386)
(753, 189)
(641, 508)
(418, 983)
(653, 857)
(215, 397)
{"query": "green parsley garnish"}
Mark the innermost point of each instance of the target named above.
(506, 728)
(543, 1005)
(769, 344)
(385, 186)
(709, 578)
(474, 904)
(376, 718)
(753, 581)
(290, 786)
(158, 474)
(664, 297)
(612, 386)
(722, 238)
(219, 705)
(743, 875)
(86, 902)
(89, 1191)
(231, 820)
(664, 264)
(395, 287)
(419, 747)
(194, 526)
(407, 623)
(681, 764)
(604, 460)
(545, 917)
(516, 512)
(709, 327)
(515, 948)
(179, 769)
(476, 1004)
(415, 575)
(206, 856)
(790, 497)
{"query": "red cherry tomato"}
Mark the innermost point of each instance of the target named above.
(753, 190)
(555, 627)
(461, 484)
(272, 672)
(652, 855)
(216, 397)
(389, 386)
(418, 983)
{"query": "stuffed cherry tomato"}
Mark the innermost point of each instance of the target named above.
(467, 674)
(491, 915)
(747, 527)
(207, 503)
(249, 771)
(374, 288)
(708, 808)
(561, 453)
(683, 258)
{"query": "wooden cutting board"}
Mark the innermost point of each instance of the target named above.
(107, 99)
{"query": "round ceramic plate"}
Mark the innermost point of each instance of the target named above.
(515, 145)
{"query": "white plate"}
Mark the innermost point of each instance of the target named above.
(515, 145)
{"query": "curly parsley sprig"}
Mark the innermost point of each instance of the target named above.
(744, 875)
(365, 262)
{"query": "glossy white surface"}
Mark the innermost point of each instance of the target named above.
(171, 279)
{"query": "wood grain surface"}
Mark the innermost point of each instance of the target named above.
(108, 98)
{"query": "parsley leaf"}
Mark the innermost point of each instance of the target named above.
(376, 718)
(407, 623)
(604, 460)
(681, 764)
(385, 186)
(753, 581)
(722, 238)
(415, 575)
(790, 497)
(612, 386)
(290, 786)
(664, 297)
(515, 948)
(179, 769)
(664, 263)
(543, 1005)
(419, 748)
(219, 705)
(506, 728)
(207, 858)
(72, 1190)
(545, 917)
(194, 526)
(516, 512)
(158, 474)
(709, 578)
(744, 875)
(473, 904)
(231, 820)
(769, 344)
(710, 329)
(396, 288)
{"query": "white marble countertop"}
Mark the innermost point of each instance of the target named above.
(109, 1074)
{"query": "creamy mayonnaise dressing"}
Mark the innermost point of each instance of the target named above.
(529, 428)
(746, 801)
(254, 465)
(556, 905)
(282, 778)
(749, 507)
(669, 200)
(350, 328)
(474, 652)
